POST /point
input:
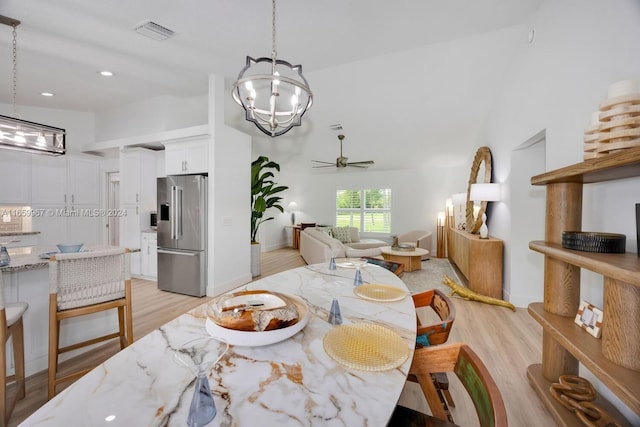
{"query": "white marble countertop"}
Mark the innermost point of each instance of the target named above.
(291, 383)
(29, 257)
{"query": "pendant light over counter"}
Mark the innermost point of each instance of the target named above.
(22, 135)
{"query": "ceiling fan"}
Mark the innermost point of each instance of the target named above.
(342, 161)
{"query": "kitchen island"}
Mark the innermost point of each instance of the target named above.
(26, 279)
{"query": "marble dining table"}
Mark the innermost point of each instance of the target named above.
(290, 383)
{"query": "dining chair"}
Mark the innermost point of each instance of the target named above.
(474, 376)
(84, 283)
(11, 327)
(435, 333)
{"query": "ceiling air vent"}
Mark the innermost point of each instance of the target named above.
(152, 30)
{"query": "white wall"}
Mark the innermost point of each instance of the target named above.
(229, 190)
(151, 116)
(555, 84)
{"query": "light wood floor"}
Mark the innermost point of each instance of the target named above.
(507, 342)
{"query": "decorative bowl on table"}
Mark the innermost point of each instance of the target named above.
(404, 247)
(255, 318)
(69, 247)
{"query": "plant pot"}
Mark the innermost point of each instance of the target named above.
(255, 259)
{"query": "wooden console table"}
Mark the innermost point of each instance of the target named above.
(295, 235)
(480, 260)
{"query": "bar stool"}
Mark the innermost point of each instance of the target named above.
(84, 283)
(11, 327)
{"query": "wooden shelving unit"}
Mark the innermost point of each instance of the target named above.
(613, 359)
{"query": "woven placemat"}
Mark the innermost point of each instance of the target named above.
(375, 292)
(366, 347)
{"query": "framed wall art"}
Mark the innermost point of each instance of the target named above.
(589, 318)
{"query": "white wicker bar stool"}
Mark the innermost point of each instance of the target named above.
(11, 327)
(84, 283)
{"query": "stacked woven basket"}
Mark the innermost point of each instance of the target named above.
(616, 126)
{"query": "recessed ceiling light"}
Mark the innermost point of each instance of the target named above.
(105, 73)
(46, 94)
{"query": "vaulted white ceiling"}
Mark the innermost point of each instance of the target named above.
(62, 44)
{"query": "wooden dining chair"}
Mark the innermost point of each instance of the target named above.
(435, 333)
(84, 283)
(11, 327)
(460, 359)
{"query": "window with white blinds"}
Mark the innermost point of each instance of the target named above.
(368, 210)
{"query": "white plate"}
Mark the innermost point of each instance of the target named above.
(351, 264)
(257, 339)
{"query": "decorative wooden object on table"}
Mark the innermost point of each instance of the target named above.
(613, 359)
(479, 260)
(411, 259)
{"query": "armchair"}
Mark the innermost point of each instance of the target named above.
(418, 238)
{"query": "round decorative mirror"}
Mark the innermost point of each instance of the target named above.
(480, 173)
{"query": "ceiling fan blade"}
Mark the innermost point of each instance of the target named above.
(365, 162)
(357, 166)
(320, 161)
(325, 166)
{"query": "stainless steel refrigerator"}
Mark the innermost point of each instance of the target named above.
(182, 234)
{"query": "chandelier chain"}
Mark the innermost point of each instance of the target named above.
(15, 68)
(273, 31)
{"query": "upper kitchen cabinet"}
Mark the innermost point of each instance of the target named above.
(15, 173)
(71, 180)
(84, 181)
(49, 180)
(187, 156)
(138, 178)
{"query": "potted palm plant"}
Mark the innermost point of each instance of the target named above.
(263, 197)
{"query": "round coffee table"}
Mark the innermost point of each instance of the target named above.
(412, 260)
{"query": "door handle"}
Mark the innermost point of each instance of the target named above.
(172, 217)
(164, 251)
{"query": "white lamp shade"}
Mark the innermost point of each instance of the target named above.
(292, 206)
(485, 192)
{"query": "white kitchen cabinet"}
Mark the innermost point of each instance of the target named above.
(130, 234)
(71, 180)
(187, 157)
(15, 174)
(49, 176)
(67, 190)
(137, 198)
(149, 255)
(84, 181)
(138, 178)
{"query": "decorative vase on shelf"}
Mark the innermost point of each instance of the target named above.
(484, 230)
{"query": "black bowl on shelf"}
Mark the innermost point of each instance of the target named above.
(587, 241)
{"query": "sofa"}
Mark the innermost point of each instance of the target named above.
(320, 244)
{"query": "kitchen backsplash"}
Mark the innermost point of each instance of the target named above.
(15, 218)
